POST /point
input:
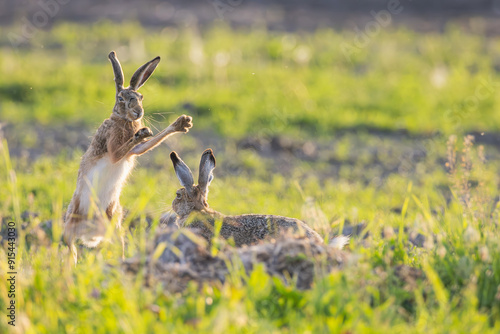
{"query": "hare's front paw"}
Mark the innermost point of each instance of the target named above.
(183, 123)
(143, 134)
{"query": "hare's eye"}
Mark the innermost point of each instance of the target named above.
(178, 195)
(120, 99)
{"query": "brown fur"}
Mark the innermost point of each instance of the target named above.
(191, 207)
(110, 158)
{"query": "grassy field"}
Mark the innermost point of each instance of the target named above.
(299, 130)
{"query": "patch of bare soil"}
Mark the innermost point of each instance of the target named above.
(180, 256)
(372, 155)
(424, 15)
(185, 257)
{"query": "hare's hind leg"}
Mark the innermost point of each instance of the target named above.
(88, 232)
(70, 235)
(74, 252)
(115, 211)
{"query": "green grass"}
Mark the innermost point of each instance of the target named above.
(295, 85)
(242, 82)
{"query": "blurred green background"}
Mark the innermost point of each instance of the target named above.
(305, 122)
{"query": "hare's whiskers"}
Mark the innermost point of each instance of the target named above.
(162, 114)
(150, 122)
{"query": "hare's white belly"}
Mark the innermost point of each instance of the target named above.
(103, 183)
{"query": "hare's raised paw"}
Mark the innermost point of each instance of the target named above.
(143, 134)
(183, 123)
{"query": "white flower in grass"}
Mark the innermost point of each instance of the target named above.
(471, 235)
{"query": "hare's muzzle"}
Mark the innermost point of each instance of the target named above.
(135, 114)
(135, 108)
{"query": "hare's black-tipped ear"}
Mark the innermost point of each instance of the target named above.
(143, 73)
(183, 172)
(117, 69)
(207, 165)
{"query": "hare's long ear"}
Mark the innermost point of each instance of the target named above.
(183, 172)
(117, 69)
(143, 73)
(207, 165)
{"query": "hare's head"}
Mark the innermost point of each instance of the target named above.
(128, 103)
(192, 197)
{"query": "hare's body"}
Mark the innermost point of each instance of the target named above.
(99, 184)
(100, 179)
(250, 228)
(106, 180)
(110, 158)
(192, 209)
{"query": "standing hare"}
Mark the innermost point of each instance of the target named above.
(110, 158)
(244, 229)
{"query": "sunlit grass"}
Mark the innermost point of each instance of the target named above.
(265, 83)
(251, 82)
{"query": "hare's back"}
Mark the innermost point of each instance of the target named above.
(251, 228)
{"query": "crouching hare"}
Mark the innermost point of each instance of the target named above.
(110, 158)
(191, 202)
